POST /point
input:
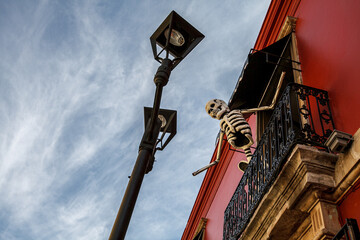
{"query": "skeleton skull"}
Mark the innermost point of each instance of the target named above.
(216, 108)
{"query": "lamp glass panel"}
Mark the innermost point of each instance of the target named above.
(176, 38)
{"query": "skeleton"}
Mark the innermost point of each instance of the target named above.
(234, 125)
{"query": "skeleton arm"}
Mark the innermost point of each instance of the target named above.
(272, 105)
(218, 154)
(233, 123)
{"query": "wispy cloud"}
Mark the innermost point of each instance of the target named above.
(74, 77)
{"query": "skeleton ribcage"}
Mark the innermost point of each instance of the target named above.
(237, 130)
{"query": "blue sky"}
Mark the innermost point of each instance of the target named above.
(74, 78)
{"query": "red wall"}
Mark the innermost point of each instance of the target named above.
(349, 206)
(328, 41)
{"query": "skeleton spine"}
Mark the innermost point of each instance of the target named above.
(248, 154)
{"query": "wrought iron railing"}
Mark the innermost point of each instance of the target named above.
(350, 231)
(302, 115)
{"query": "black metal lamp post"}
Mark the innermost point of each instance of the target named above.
(175, 36)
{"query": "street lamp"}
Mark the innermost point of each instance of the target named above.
(175, 37)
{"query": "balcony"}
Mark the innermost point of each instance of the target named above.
(302, 116)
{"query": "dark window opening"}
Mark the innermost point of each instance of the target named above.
(259, 78)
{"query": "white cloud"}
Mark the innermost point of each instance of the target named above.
(74, 77)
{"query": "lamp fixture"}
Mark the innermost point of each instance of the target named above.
(168, 125)
(175, 36)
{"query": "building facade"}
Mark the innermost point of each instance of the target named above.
(304, 177)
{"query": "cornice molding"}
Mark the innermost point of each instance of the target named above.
(274, 20)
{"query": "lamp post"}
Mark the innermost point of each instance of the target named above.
(175, 38)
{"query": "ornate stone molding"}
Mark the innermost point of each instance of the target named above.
(301, 203)
(287, 27)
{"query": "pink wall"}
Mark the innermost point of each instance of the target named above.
(215, 215)
(328, 42)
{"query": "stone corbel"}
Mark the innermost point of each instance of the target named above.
(287, 27)
(324, 220)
